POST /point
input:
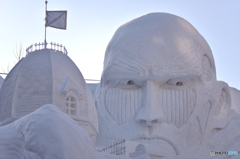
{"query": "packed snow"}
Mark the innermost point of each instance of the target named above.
(159, 86)
(46, 133)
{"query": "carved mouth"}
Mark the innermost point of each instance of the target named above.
(162, 144)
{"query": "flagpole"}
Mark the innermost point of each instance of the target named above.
(45, 41)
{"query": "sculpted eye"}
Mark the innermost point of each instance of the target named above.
(130, 82)
(179, 83)
(174, 82)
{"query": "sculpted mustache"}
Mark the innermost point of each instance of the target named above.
(123, 105)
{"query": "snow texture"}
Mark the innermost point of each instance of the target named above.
(46, 133)
(7, 92)
(48, 76)
(159, 87)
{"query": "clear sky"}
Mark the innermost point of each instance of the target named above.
(92, 23)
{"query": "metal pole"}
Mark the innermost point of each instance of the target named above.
(45, 41)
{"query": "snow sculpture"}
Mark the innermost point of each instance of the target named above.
(46, 133)
(48, 76)
(140, 153)
(159, 87)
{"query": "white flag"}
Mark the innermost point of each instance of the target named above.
(57, 19)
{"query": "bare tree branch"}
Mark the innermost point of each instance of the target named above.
(18, 54)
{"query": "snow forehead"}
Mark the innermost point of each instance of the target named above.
(156, 38)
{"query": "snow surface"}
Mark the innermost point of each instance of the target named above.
(46, 133)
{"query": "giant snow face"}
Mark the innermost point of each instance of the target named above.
(156, 70)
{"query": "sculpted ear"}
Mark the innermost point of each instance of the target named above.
(218, 118)
(225, 99)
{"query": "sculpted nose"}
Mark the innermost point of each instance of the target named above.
(151, 112)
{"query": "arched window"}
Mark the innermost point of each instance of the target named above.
(71, 105)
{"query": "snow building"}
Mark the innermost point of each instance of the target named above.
(47, 76)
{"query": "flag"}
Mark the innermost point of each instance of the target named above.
(56, 19)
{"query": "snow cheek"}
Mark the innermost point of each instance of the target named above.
(123, 104)
(124, 101)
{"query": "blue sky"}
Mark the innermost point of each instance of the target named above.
(92, 23)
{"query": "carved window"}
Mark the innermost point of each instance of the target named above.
(71, 106)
